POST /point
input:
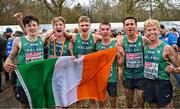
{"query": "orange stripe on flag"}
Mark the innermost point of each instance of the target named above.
(96, 68)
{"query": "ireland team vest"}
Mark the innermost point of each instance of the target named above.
(83, 47)
(155, 64)
(30, 51)
(133, 66)
(58, 46)
(113, 72)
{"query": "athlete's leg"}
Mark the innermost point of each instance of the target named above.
(129, 93)
(139, 99)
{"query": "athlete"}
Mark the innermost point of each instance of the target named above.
(105, 43)
(158, 55)
(133, 45)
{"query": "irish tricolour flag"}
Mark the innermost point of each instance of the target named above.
(61, 82)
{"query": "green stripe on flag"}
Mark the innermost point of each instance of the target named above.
(37, 78)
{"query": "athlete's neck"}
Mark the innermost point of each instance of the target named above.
(60, 38)
(31, 38)
(84, 35)
(155, 43)
(106, 40)
(132, 38)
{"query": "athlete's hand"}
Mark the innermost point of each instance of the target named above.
(169, 68)
(73, 59)
(52, 38)
(68, 35)
(18, 16)
(9, 67)
(120, 50)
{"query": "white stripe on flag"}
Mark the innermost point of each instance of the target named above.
(67, 76)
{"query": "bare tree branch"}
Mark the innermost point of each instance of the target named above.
(54, 3)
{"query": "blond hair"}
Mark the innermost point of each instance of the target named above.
(84, 18)
(57, 19)
(150, 22)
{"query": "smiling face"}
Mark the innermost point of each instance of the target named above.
(152, 29)
(58, 25)
(32, 28)
(84, 27)
(130, 27)
(31, 24)
(59, 28)
(84, 24)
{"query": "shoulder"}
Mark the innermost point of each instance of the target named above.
(96, 37)
(168, 49)
(2, 39)
(145, 40)
(17, 40)
(119, 40)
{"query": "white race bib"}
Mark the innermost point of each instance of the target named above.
(151, 70)
(134, 60)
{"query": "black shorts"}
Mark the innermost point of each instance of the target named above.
(158, 91)
(134, 83)
(112, 89)
(20, 95)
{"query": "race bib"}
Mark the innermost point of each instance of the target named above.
(33, 56)
(151, 70)
(134, 60)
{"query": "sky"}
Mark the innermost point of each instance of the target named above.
(82, 2)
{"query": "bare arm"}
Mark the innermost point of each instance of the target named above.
(120, 61)
(173, 57)
(19, 17)
(96, 38)
(48, 36)
(71, 37)
(145, 40)
(9, 66)
(71, 45)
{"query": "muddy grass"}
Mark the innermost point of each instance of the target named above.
(7, 99)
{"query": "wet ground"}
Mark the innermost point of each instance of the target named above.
(7, 99)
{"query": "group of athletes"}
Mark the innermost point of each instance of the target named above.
(143, 63)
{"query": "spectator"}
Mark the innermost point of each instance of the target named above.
(2, 52)
(6, 35)
(173, 30)
(44, 31)
(168, 37)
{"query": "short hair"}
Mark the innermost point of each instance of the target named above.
(173, 29)
(18, 33)
(130, 17)
(162, 26)
(84, 18)
(29, 18)
(150, 22)
(57, 19)
(104, 23)
(9, 30)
